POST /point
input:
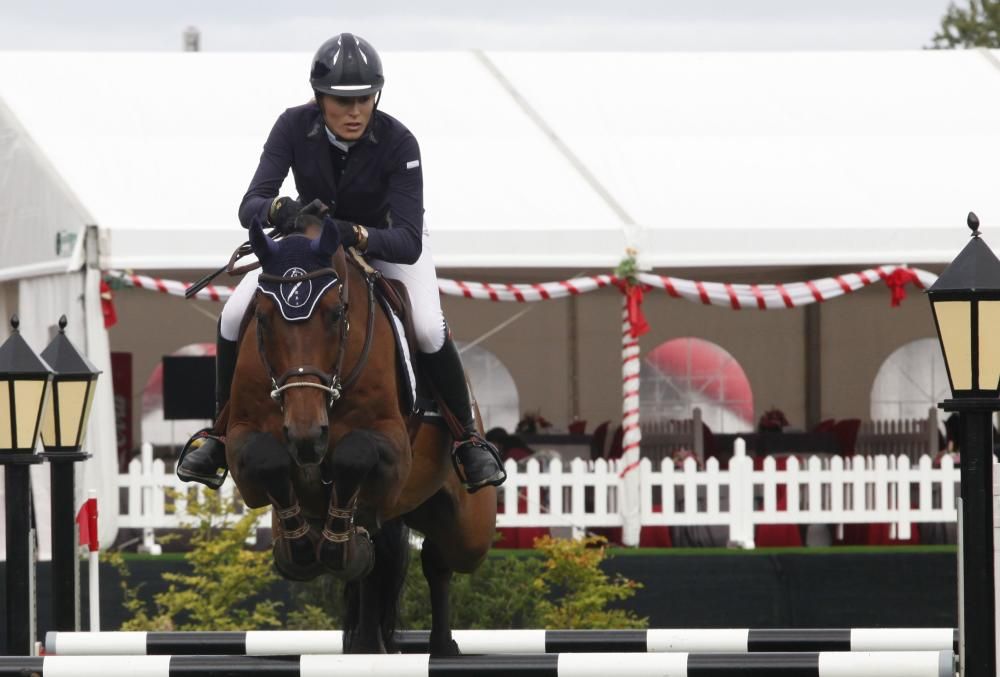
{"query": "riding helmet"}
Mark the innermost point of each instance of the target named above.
(346, 65)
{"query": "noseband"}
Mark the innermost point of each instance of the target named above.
(329, 382)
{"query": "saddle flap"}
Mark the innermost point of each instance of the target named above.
(395, 302)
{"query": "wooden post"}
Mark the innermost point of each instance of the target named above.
(699, 436)
(813, 349)
(932, 432)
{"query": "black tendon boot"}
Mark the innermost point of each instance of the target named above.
(476, 460)
(203, 458)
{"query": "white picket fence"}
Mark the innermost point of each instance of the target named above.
(583, 495)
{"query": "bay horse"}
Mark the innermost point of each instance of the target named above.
(316, 428)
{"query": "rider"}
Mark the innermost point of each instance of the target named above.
(365, 164)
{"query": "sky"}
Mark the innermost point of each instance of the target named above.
(596, 25)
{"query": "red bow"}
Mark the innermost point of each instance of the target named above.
(108, 306)
(897, 281)
(637, 321)
(86, 522)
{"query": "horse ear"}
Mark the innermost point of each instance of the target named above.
(263, 247)
(329, 240)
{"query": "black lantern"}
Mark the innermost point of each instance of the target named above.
(24, 381)
(73, 385)
(966, 305)
(63, 429)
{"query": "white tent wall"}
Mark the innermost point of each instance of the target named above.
(42, 301)
(163, 175)
(713, 159)
(41, 222)
(8, 306)
(780, 158)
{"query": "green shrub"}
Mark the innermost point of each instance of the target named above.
(559, 585)
(499, 594)
(227, 585)
(574, 593)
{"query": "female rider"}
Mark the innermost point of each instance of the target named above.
(366, 165)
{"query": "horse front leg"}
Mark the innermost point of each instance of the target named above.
(265, 462)
(345, 547)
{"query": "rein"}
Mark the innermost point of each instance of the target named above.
(330, 382)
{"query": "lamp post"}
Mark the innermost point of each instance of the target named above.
(24, 380)
(63, 428)
(966, 305)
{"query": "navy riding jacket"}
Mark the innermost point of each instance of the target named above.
(379, 185)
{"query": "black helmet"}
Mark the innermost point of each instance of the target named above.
(346, 65)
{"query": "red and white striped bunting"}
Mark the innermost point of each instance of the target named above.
(735, 296)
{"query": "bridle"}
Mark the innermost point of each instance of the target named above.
(329, 382)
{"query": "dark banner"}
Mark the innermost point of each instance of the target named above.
(121, 382)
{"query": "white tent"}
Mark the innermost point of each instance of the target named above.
(540, 160)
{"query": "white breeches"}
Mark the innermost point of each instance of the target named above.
(421, 284)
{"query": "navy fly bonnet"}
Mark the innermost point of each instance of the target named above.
(295, 256)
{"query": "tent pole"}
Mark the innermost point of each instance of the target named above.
(813, 351)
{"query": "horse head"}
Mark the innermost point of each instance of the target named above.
(301, 316)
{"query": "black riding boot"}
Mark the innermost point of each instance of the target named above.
(203, 458)
(476, 460)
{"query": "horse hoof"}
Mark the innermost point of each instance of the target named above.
(446, 648)
(300, 574)
(358, 562)
(301, 551)
(371, 645)
(295, 559)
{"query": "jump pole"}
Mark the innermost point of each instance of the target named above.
(290, 642)
(832, 664)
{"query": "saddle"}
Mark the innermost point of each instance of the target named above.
(395, 302)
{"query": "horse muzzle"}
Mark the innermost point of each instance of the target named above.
(307, 445)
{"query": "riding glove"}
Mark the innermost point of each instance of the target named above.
(283, 214)
(348, 235)
(316, 208)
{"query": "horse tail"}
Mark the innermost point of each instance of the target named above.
(392, 558)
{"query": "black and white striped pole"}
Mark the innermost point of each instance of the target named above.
(815, 664)
(966, 306)
(672, 640)
(24, 390)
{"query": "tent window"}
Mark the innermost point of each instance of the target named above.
(910, 381)
(493, 386)
(685, 373)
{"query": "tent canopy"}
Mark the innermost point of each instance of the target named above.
(530, 159)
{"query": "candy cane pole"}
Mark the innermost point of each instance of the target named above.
(631, 433)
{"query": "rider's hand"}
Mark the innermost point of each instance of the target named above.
(317, 208)
(284, 212)
(347, 233)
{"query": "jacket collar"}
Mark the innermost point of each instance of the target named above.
(317, 131)
(321, 146)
